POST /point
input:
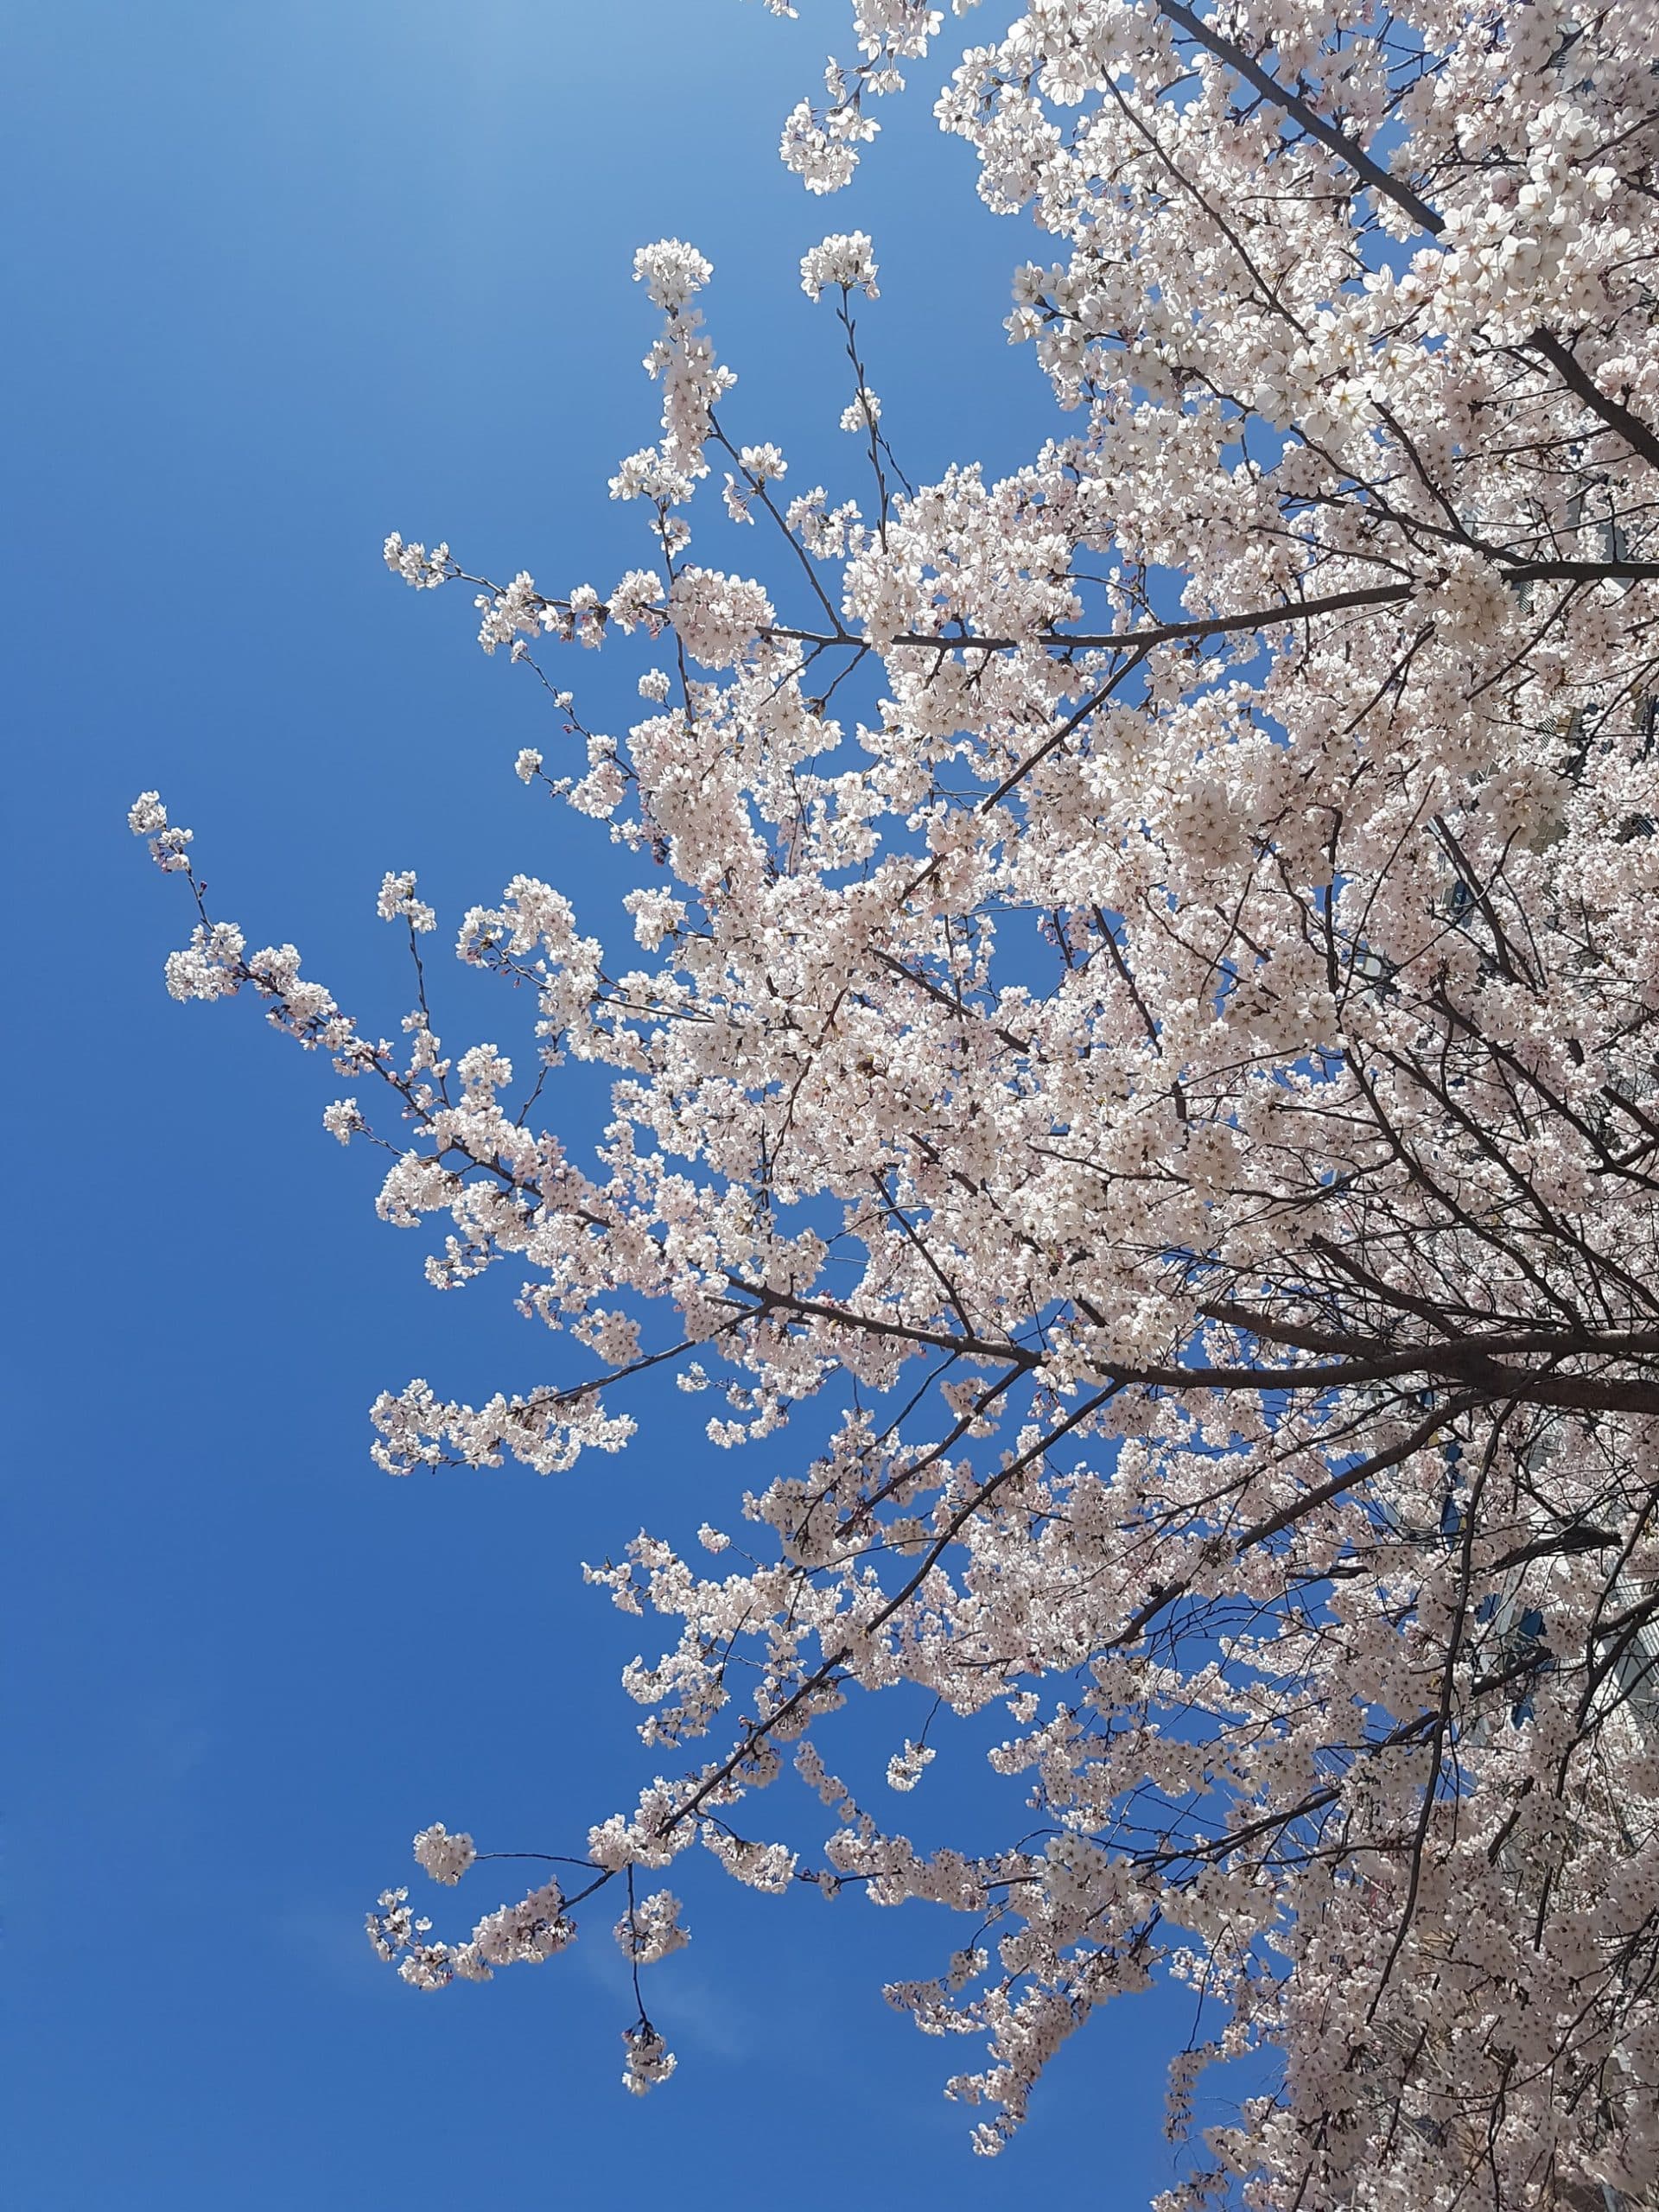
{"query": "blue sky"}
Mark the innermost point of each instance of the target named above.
(284, 276)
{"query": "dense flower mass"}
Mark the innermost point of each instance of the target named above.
(1143, 1009)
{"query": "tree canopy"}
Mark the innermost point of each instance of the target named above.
(1144, 1009)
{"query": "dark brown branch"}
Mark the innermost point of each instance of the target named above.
(1335, 141)
(1578, 381)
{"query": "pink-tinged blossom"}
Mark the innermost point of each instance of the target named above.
(526, 1934)
(718, 617)
(636, 602)
(650, 1931)
(657, 914)
(445, 1857)
(650, 2060)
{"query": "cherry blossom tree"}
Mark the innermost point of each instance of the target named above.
(1144, 1013)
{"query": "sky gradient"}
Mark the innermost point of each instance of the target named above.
(285, 277)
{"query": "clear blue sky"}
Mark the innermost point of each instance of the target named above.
(282, 275)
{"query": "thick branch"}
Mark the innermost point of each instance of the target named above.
(1335, 141)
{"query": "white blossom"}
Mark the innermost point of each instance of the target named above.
(845, 260)
(671, 272)
(650, 1931)
(650, 2061)
(342, 1119)
(397, 902)
(904, 1768)
(445, 1857)
(418, 567)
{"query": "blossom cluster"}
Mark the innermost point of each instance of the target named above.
(845, 259)
(446, 1857)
